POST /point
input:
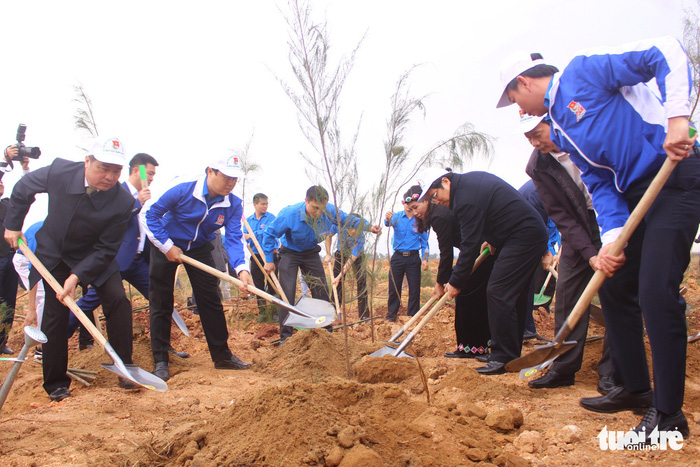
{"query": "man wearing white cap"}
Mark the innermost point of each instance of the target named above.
(184, 220)
(86, 222)
(619, 133)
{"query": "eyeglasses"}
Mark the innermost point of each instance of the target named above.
(226, 178)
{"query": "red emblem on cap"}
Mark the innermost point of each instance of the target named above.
(115, 144)
(578, 109)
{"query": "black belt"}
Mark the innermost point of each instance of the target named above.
(408, 253)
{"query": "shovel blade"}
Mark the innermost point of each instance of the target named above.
(540, 355)
(541, 299)
(177, 319)
(386, 350)
(322, 314)
(139, 376)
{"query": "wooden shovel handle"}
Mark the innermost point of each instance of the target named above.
(628, 229)
(335, 289)
(430, 314)
(262, 268)
(278, 286)
(58, 288)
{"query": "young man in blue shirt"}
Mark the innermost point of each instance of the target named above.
(183, 220)
(619, 133)
(260, 219)
(410, 255)
(301, 227)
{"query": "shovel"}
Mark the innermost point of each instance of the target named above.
(399, 350)
(541, 298)
(130, 372)
(540, 357)
(276, 283)
(308, 312)
(32, 336)
(389, 349)
(335, 292)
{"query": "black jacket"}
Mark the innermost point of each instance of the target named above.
(83, 231)
(446, 227)
(566, 206)
(489, 209)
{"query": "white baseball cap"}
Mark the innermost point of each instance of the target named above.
(528, 122)
(229, 166)
(108, 151)
(512, 67)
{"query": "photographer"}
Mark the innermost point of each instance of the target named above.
(8, 275)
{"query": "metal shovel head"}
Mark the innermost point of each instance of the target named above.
(389, 350)
(139, 376)
(177, 319)
(540, 355)
(541, 299)
(534, 371)
(322, 314)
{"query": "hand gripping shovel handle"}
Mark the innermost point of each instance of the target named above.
(136, 374)
(262, 268)
(278, 286)
(420, 325)
(238, 283)
(596, 281)
(553, 272)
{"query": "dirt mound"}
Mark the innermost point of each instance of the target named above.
(386, 369)
(336, 423)
(314, 355)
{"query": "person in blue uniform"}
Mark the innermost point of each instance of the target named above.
(134, 251)
(260, 219)
(183, 220)
(489, 209)
(409, 257)
(301, 227)
(350, 250)
(619, 133)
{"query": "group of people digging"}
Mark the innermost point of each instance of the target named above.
(600, 135)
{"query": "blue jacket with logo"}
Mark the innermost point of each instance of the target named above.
(612, 124)
(406, 236)
(258, 226)
(180, 217)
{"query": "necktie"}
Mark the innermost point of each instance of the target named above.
(90, 190)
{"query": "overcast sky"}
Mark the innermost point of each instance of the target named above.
(187, 81)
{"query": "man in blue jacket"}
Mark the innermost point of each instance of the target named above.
(134, 251)
(258, 221)
(184, 220)
(302, 227)
(618, 132)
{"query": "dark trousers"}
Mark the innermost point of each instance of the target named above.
(647, 286)
(507, 295)
(400, 265)
(572, 282)
(471, 311)
(136, 275)
(8, 295)
(54, 324)
(358, 268)
(204, 288)
(259, 280)
(311, 268)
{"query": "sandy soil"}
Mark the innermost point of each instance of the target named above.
(297, 405)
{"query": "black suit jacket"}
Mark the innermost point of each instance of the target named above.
(83, 231)
(566, 206)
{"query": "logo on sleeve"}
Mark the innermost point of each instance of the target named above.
(220, 220)
(578, 109)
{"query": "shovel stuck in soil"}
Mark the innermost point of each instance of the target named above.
(541, 298)
(543, 355)
(130, 372)
(307, 313)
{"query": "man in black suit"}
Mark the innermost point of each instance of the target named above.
(87, 218)
(568, 204)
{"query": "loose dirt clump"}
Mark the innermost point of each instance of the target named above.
(336, 423)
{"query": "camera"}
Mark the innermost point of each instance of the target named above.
(22, 150)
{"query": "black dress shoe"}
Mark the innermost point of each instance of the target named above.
(127, 384)
(178, 353)
(618, 400)
(460, 354)
(655, 419)
(59, 394)
(606, 384)
(391, 319)
(162, 370)
(492, 368)
(552, 380)
(6, 350)
(234, 363)
(483, 358)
